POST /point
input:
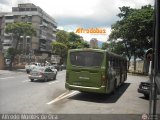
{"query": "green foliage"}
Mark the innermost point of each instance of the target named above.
(74, 38)
(135, 29)
(62, 36)
(104, 46)
(67, 40)
(10, 52)
(117, 47)
(84, 44)
(57, 47)
(18, 29)
(60, 49)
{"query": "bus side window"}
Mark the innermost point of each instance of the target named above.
(110, 62)
(118, 63)
(114, 63)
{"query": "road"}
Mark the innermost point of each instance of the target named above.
(19, 95)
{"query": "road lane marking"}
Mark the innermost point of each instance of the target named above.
(62, 96)
(53, 82)
(6, 78)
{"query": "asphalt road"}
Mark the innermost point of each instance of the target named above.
(19, 95)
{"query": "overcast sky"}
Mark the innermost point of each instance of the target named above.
(72, 14)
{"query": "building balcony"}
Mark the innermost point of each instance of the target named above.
(7, 41)
(54, 29)
(7, 35)
(42, 49)
(9, 20)
(44, 24)
(6, 47)
(43, 44)
(43, 37)
(54, 35)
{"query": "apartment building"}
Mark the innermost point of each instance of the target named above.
(44, 25)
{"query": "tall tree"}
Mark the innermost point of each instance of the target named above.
(17, 30)
(67, 40)
(60, 49)
(104, 46)
(62, 36)
(135, 29)
(76, 41)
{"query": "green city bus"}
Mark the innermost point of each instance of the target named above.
(95, 70)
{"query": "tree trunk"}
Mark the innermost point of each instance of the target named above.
(11, 63)
(134, 62)
(128, 55)
(13, 56)
(129, 59)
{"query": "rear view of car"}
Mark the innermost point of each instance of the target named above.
(42, 73)
(144, 88)
(29, 67)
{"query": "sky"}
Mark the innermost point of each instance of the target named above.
(73, 14)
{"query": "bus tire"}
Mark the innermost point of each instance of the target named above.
(146, 96)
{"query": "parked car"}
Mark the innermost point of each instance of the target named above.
(52, 67)
(42, 73)
(57, 66)
(144, 88)
(29, 67)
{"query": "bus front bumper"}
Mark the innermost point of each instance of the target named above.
(101, 89)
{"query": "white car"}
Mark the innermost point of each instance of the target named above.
(43, 73)
(31, 66)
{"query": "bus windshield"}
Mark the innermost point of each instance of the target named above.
(86, 58)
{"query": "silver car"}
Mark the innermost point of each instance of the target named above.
(42, 73)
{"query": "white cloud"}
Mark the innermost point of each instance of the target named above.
(87, 36)
(71, 14)
(100, 37)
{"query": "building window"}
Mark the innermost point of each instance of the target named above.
(8, 17)
(29, 18)
(33, 9)
(28, 9)
(21, 9)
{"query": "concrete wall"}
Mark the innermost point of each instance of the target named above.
(139, 66)
(2, 64)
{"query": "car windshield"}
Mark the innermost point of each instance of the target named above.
(38, 69)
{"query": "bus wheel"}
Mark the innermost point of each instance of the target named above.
(146, 96)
